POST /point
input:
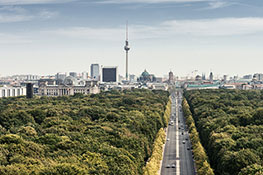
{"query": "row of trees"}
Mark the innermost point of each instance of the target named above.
(230, 124)
(200, 157)
(153, 165)
(111, 133)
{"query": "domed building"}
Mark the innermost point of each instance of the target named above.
(198, 78)
(146, 77)
(70, 86)
(70, 81)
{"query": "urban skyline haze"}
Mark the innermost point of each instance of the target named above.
(50, 36)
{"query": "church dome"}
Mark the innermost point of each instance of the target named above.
(145, 74)
(70, 81)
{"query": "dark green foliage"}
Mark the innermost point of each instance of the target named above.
(111, 133)
(201, 160)
(230, 124)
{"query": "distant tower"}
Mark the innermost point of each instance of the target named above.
(171, 77)
(203, 76)
(127, 48)
(211, 77)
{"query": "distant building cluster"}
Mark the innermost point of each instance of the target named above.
(105, 78)
(247, 82)
(101, 78)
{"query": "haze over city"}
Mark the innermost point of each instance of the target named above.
(50, 36)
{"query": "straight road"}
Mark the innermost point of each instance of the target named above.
(177, 158)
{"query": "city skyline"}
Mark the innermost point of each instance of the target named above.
(50, 36)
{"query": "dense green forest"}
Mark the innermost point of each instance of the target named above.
(200, 157)
(111, 133)
(230, 124)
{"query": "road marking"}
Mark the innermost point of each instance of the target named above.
(177, 140)
(178, 167)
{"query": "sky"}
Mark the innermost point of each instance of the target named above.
(44, 37)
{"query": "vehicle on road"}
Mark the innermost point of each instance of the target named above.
(188, 148)
(167, 139)
(183, 142)
(173, 166)
(168, 166)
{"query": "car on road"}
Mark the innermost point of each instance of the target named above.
(168, 166)
(183, 142)
(167, 139)
(173, 166)
(182, 133)
(188, 148)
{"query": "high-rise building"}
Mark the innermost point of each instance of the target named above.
(225, 77)
(32, 77)
(247, 77)
(61, 76)
(73, 74)
(203, 76)
(29, 90)
(171, 77)
(133, 78)
(109, 74)
(211, 77)
(258, 77)
(84, 75)
(95, 71)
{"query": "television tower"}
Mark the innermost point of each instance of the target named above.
(127, 48)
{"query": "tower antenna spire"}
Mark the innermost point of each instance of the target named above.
(127, 30)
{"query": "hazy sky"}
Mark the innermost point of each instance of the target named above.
(50, 36)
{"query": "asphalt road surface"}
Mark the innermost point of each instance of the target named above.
(177, 158)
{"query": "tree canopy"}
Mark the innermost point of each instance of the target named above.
(230, 124)
(111, 133)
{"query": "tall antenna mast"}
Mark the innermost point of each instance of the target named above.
(127, 48)
(127, 30)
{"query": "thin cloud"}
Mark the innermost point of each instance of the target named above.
(218, 4)
(11, 8)
(215, 27)
(25, 2)
(11, 14)
(87, 33)
(14, 39)
(169, 29)
(4, 18)
(46, 14)
(151, 1)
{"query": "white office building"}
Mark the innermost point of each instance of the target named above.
(95, 71)
(9, 91)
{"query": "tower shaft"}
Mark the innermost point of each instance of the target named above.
(127, 48)
(127, 66)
